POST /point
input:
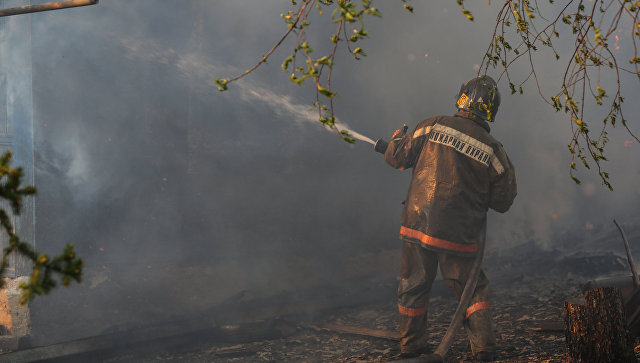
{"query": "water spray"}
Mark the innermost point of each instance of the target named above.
(380, 145)
(357, 135)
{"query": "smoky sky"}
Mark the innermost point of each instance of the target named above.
(142, 163)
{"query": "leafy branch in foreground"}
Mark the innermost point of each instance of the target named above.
(347, 18)
(41, 281)
(596, 30)
(591, 70)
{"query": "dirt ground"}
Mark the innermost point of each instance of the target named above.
(518, 326)
(529, 286)
(527, 309)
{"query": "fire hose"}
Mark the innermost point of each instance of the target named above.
(465, 298)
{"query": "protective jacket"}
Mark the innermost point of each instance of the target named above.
(459, 171)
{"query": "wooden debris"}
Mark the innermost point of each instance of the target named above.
(596, 331)
(548, 326)
(375, 333)
(254, 331)
(56, 5)
(630, 294)
(234, 351)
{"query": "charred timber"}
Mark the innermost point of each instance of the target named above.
(630, 294)
(596, 331)
(55, 5)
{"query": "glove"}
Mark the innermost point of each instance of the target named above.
(400, 132)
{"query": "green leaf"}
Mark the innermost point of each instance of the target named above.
(222, 84)
(328, 121)
(325, 92)
(358, 52)
(467, 13)
(286, 62)
(347, 137)
(324, 61)
(577, 121)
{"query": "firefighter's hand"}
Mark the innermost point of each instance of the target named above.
(400, 132)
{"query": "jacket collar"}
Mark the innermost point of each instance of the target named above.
(468, 115)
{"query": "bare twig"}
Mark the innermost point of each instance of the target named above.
(632, 264)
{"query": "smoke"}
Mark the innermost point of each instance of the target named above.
(202, 71)
(179, 196)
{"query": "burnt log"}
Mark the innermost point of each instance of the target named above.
(597, 331)
(631, 296)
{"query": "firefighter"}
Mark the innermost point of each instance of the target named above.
(459, 172)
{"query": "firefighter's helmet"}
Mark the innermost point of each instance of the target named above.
(479, 96)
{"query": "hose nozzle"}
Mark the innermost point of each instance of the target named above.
(381, 146)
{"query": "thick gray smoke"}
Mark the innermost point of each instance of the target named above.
(178, 196)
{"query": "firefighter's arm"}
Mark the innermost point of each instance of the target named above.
(503, 182)
(400, 153)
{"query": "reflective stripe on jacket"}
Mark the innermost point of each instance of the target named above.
(459, 171)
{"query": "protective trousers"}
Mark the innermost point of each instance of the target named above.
(419, 269)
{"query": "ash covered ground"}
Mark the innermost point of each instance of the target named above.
(528, 293)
